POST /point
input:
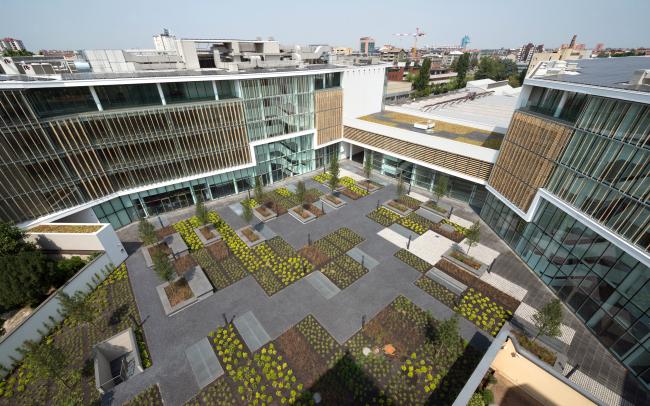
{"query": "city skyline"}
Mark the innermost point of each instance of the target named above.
(489, 26)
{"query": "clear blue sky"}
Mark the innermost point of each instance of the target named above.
(78, 24)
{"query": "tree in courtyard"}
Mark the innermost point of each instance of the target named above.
(400, 185)
(162, 266)
(147, 232)
(549, 319)
(76, 307)
(46, 360)
(201, 212)
(446, 334)
(421, 81)
(301, 195)
(442, 187)
(473, 236)
(367, 168)
(334, 172)
(247, 213)
(25, 278)
(258, 191)
(12, 240)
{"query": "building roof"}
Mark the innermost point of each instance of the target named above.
(605, 72)
(487, 111)
(153, 76)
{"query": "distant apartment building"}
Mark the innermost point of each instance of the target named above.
(448, 59)
(570, 52)
(525, 53)
(389, 53)
(11, 44)
(367, 45)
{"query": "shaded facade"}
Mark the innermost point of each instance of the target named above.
(569, 194)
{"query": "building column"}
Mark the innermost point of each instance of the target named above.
(560, 105)
(96, 98)
(162, 95)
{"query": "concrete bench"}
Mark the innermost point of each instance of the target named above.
(445, 280)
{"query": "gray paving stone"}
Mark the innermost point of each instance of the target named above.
(251, 331)
(401, 230)
(322, 284)
(363, 258)
(204, 362)
(265, 230)
(237, 208)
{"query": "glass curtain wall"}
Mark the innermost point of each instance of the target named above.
(426, 178)
(278, 106)
(603, 285)
(605, 169)
(282, 159)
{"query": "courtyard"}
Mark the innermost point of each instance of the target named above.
(340, 305)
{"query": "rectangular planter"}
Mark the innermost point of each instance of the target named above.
(372, 187)
(297, 216)
(147, 257)
(260, 237)
(199, 285)
(270, 216)
(471, 269)
(176, 244)
(393, 209)
(212, 229)
(331, 203)
(428, 206)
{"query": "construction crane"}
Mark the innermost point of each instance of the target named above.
(415, 35)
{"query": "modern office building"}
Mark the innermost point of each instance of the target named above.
(367, 45)
(117, 147)
(569, 194)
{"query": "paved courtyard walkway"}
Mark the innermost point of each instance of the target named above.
(341, 312)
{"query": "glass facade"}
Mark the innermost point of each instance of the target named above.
(278, 106)
(61, 101)
(124, 96)
(546, 101)
(426, 178)
(183, 92)
(276, 161)
(605, 287)
(605, 169)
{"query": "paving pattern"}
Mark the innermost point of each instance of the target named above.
(526, 312)
(504, 285)
(597, 389)
(251, 331)
(430, 246)
(341, 314)
(322, 284)
(204, 363)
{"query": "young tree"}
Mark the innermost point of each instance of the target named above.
(147, 232)
(247, 213)
(163, 267)
(24, 278)
(201, 212)
(47, 360)
(549, 319)
(421, 81)
(76, 307)
(442, 187)
(400, 185)
(473, 236)
(258, 191)
(461, 68)
(367, 168)
(301, 194)
(446, 334)
(334, 172)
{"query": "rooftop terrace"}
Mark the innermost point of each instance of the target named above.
(442, 129)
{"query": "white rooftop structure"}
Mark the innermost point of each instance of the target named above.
(482, 106)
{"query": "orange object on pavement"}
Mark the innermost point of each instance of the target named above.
(389, 349)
